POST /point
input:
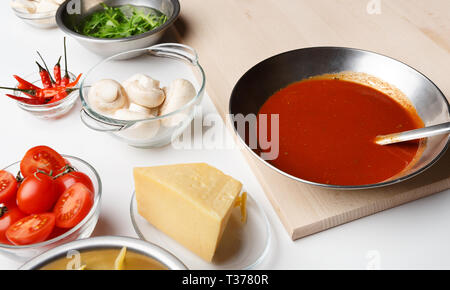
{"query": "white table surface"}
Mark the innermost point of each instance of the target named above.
(415, 235)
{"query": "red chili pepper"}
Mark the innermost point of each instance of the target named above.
(58, 97)
(29, 95)
(65, 91)
(45, 77)
(26, 100)
(46, 68)
(30, 92)
(50, 92)
(74, 83)
(57, 72)
(66, 79)
(24, 85)
(41, 94)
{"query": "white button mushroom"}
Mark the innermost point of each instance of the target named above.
(138, 108)
(178, 94)
(127, 115)
(142, 130)
(144, 91)
(107, 96)
(25, 5)
(47, 6)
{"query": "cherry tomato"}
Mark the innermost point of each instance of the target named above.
(43, 158)
(10, 204)
(67, 162)
(8, 186)
(32, 229)
(73, 206)
(8, 216)
(37, 194)
(57, 232)
(67, 180)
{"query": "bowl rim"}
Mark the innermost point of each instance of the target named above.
(48, 106)
(129, 123)
(170, 20)
(104, 242)
(334, 186)
(91, 213)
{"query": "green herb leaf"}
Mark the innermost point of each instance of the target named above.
(120, 22)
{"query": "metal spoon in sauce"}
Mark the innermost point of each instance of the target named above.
(440, 129)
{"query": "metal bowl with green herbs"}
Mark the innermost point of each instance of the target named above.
(120, 22)
(110, 27)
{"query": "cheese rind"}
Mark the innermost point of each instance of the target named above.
(189, 202)
(241, 202)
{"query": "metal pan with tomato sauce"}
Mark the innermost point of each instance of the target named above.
(264, 89)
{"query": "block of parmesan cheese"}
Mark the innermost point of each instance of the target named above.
(189, 202)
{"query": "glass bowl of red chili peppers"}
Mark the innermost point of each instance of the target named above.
(54, 108)
(49, 94)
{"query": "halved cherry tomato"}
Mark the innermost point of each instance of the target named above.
(8, 216)
(37, 194)
(65, 181)
(73, 206)
(57, 232)
(8, 186)
(32, 229)
(43, 158)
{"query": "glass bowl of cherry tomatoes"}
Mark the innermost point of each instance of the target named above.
(46, 199)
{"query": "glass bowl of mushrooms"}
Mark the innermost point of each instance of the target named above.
(145, 97)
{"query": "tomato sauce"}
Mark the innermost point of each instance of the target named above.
(327, 129)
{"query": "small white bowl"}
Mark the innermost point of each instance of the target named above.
(40, 20)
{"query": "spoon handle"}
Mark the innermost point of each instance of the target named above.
(413, 134)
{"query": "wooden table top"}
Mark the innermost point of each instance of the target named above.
(231, 36)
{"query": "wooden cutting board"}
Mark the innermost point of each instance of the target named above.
(233, 35)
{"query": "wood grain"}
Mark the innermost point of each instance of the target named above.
(233, 35)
